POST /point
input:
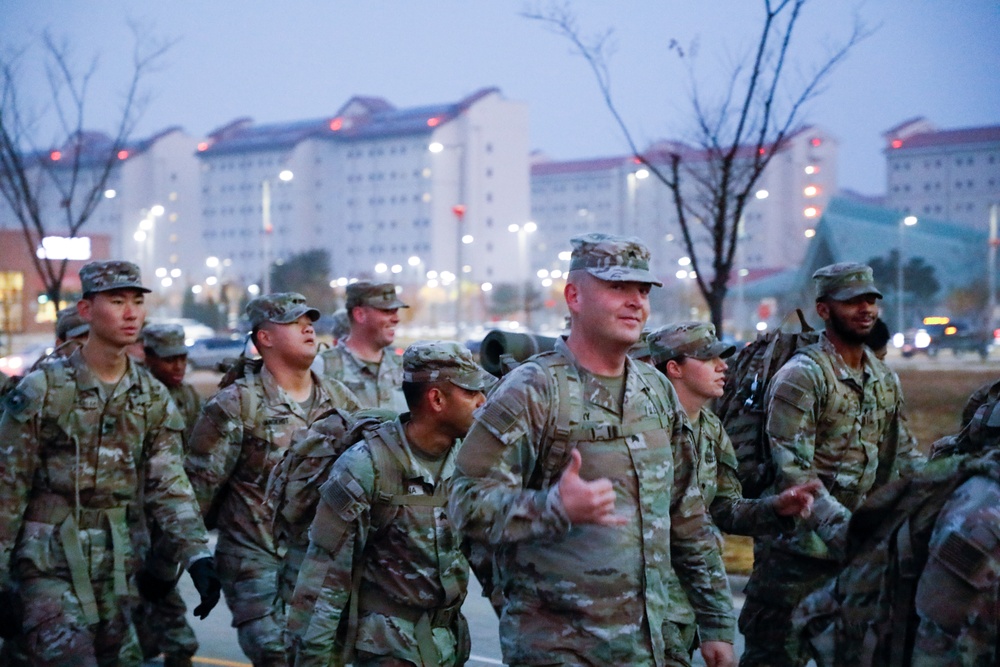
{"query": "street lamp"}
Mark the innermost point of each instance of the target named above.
(908, 221)
(284, 175)
(524, 264)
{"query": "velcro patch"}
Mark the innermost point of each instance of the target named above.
(345, 496)
(499, 417)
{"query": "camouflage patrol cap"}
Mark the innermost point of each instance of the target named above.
(844, 281)
(983, 430)
(108, 275)
(280, 308)
(612, 258)
(377, 295)
(341, 324)
(69, 324)
(687, 339)
(165, 340)
(444, 360)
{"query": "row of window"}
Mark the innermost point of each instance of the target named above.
(967, 184)
(960, 161)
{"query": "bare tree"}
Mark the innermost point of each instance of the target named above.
(53, 172)
(735, 139)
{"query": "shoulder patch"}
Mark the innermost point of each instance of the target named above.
(345, 496)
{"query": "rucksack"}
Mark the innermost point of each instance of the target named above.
(742, 409)
(866, 615)
(293, 486)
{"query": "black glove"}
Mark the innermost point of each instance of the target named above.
(207, 583)
(11, 614)
(153, 588)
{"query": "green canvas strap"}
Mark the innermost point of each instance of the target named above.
(69, 534)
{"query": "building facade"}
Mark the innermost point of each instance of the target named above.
(948, 174)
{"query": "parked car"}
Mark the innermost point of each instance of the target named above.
(208, 353)
(19, 363)
(943, 333)
(193, 329)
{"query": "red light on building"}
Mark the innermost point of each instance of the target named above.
(55, 156)
(458, 210)
(337, 124)
(433, 122)
(816, 141)
(122, 155)
(760, 151)
(897, 143)
(203, 146)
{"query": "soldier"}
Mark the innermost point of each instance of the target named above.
(161, 620)
(579, 473)
(341, 325)
(364, 360)
(70, 326)
(833, 414)
(90, 442)
(394, 573)
(242, 433)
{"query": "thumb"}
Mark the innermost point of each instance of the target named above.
(575, 463)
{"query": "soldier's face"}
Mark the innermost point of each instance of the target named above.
(461, 403)
(375, 325)
(851, 320)
(168, 370)
(295, 341)
(704, 378)
(115, 316)
(613, 310)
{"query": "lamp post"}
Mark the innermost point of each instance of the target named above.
(908, 221)
(524, 264)
(265, 207)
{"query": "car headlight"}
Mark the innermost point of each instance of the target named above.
(922, 339)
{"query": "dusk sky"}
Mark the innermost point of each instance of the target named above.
(299, 59)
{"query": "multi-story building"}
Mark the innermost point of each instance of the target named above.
(617, 194)
(948, 174)
(413, 195)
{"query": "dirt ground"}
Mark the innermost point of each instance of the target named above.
(934, 401)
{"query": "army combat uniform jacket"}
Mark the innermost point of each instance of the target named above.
(382, 389)
(188, 402)
(589, 594)
(78, 465)
(412, 574)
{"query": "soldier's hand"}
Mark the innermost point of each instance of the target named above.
(718, 654)
(206, 582)
(11, 614)
(153, 588)
(587, 502)
(797, 500)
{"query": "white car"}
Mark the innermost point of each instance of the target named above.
(193, 329)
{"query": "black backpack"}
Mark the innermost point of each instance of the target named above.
(741, 407)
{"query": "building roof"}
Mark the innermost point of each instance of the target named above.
(93, 149)
(958, 137)
(359, 118)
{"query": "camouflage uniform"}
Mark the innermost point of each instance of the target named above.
(828, 421)
(374, 389)
(242, 433)
(402, 561)
(162, 624)
(79, 465)
(69, 324)
(591, 594)
(341, 324)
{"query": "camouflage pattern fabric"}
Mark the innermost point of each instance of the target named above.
(280, 308)
(816, 431)
(188, 402)
(435, 361)
(381, 389)
(341, 324)
(165, 340)
(231, 458)
(844, 281)
(73, 562)
(108, 275)
(686, 339)
(958, 594)
(589, 594)
(69, 324)
(611, 257)
(377, 295)
(411, 566)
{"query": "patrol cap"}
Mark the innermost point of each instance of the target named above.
(613, 258)
(444, 360)
(280, 308)
(165, 340)
(69, 324)
(341, 324)
(687, 339)
(377, 295)
(109, 275)
(983, 429)
(844, 281)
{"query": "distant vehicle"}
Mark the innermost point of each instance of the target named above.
(943, 333)
(193, 329)
(208, 353)
(18, 364)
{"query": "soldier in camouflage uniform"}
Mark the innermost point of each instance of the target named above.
(90, 443)
(402, 562)
(834, 414)
(242, 433)
(693, 359)
(161, 619)
(341, 325)
(364, 361)
(70, 326)
(579, 473)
